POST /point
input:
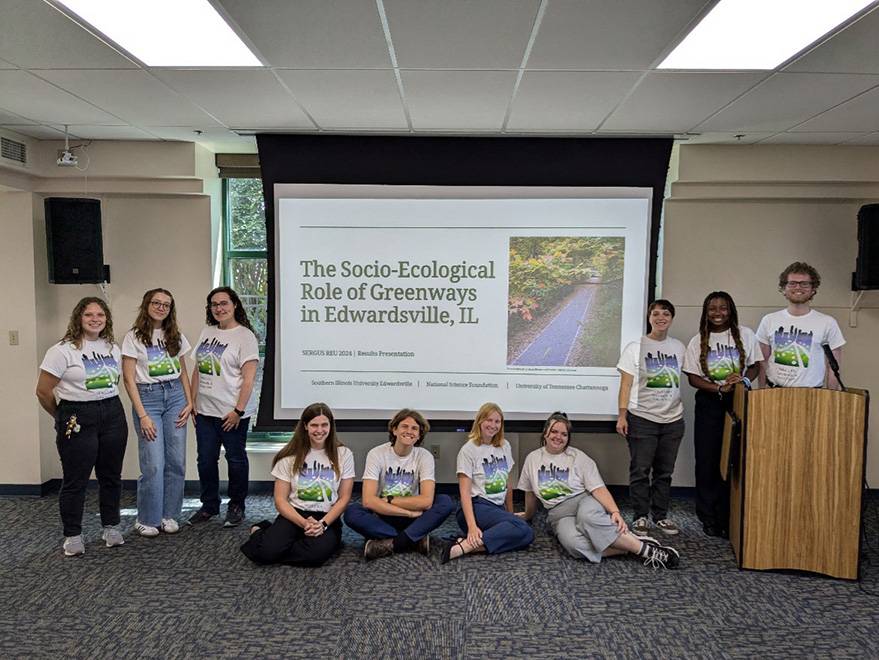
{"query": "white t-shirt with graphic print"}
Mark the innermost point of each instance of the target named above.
(488, 467)
(723, 356)
(154, 365)
(219, 356)
(656, 370)
(399, 476)
(316, 486)
(554, 478)
(797, 358)
(88, 373)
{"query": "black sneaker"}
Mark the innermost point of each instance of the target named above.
(200, 516)
(661, 556)
(234, 516)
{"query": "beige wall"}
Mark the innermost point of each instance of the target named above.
(734, 218)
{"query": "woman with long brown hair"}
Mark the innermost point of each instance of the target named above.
(82, 371)
(158, 386)
(314, 477)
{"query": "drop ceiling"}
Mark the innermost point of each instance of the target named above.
(459, 67)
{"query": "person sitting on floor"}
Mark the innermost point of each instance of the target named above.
(399, 509)
(314, 477)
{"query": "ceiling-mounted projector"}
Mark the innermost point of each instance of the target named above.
(67, 159)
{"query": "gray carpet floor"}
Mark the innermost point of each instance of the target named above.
(195, 595)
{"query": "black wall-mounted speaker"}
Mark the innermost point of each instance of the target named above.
(866, 275)
(73, 238)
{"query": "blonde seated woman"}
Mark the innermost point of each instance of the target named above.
(581, 511)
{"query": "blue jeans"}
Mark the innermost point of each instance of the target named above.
(163, 460)
(209, 437)
(371, 525)
(501, 530)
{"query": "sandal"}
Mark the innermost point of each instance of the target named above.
(447, 551)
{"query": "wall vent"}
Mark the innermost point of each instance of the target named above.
(12, 150)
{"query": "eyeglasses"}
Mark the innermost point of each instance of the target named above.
(222, 303)
(158, 304)
(798, 285)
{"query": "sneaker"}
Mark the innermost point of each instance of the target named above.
(667, 527)
(378, 548)
(200, 516)
(661, 556)
(170, 526)
(234, 516)
(145, 530)
(112, 536)
(73, 546)
(641, 527)
(423, 546)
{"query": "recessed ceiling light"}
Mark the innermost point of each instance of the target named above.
(758, 34)
(175, 33)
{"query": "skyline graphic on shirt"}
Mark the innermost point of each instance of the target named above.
(208, 356)
(663, 371)
(101, 371)
(496, 471)
(723, 361)
(315, 483)
(398, 482)
(552, 481)
(159, 363)
(792, 348)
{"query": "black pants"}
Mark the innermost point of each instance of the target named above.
(653, 449)
(100, 445)
(284, 542)
(712, 493)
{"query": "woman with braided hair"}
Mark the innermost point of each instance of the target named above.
(721, 355)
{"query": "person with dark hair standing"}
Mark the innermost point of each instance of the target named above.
(793, 339)
(157, 383)
(91, 432)
(226, 356)
(721, 355)
(399, 509)
(581, 511)
(314, 477)
(651, 417)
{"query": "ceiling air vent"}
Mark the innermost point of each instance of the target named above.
(12, 150)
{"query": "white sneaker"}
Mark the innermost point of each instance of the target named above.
(170, 526)
(113, 537)
(73, 546)
(145, 530)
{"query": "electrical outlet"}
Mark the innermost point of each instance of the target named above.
(435, 450)
(13, 337)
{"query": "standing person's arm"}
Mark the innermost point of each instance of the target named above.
(189, 408)
(129, 373)
(248, 375)
(193, 390)
(766, 349)
(626, 381)
(46, 384)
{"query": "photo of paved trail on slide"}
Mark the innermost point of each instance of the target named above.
(554, 345)
(565, 301)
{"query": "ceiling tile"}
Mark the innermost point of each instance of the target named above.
(37, 131)
(726, 138)
(28, 96)
(787, 99)
(348, 99)
(135, 96)
(218, 140)
(34, 35)
(812, 138)
(859, 114)
(321, 34)
(608, 34)
(250, 98)
(458, 100)
(490, 34)
(567, 100)
(675, 102)
(851, 51)
(110, 133)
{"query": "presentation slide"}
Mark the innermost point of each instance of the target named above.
(441, 298)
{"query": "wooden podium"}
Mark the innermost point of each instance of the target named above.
(795, 461)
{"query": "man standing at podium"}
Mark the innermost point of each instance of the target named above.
(793, 339)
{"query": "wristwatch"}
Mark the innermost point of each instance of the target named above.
(390, 498)
(240, 413)
(324, 524)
